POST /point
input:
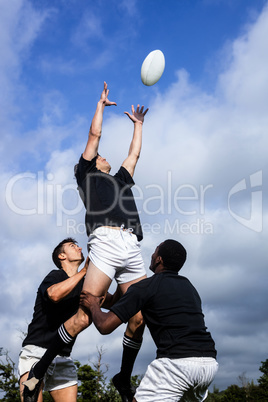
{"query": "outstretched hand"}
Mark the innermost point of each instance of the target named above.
(138, 115)
(104, 96)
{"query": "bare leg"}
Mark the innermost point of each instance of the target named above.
(24, 378)
(135, 327)
(131, 344)
(96, 283)
(68, 394)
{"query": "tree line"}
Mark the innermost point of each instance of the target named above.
(94, 386)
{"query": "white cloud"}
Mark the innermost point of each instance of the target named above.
(16, 38)
(245, 82)
(89, 29)
(130, 6)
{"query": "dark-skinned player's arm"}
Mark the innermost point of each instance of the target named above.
(104, 322)
(94, 134)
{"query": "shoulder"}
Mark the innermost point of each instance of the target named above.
(166, 279)
(143, 284)
(169, 275)
(55, 273)
(171, 278)
(85, 166)
(124, 175)
(54, 276)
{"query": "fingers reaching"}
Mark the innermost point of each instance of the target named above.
(138, 115)
(104, 96)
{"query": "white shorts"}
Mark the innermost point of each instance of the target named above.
(60, 374)
(175, 380)
(117, 253)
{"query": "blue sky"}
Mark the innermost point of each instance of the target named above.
(201, 175)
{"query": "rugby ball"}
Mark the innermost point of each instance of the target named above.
(153, 67)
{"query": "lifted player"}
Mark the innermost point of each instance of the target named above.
(114, 231)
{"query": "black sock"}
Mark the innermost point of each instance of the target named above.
(60, 340)
(131, 349)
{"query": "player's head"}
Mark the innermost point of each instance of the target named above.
(74, 251)
(102, 164)
(170, 254)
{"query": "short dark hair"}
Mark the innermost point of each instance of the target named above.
(173, 254)
(59, 249)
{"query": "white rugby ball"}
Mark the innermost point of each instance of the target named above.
(152, 68)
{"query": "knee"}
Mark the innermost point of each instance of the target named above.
(81, 322)
(136, 326)
(138, 320)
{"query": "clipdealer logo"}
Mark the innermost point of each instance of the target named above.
(48, 198)
(255, 221)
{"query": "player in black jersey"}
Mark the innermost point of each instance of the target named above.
(185, 363)
(57, 300)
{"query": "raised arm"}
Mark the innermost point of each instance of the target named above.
(94, 134)
(135, 147)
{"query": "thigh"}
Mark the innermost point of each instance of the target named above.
(68, 394)
(29, 355)
(24, 378)
(124, 286)
(96, 281)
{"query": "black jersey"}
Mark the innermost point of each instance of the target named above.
(171, 308)
(108, 199)
(48, 316)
